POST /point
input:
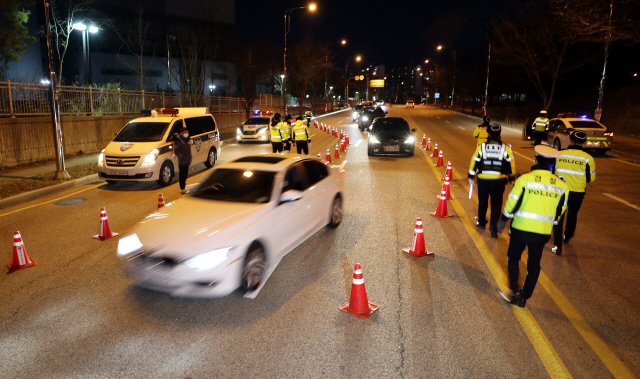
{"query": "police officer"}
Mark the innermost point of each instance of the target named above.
(286, 133)
(182, 149)
(275, 133)
(496, 165)
(301, 136)
(540, 127)
(536, 202)
(481, 131)
(577, 168)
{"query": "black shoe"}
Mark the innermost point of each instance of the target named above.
(518, 299)
(566, 239)
(557, 250)
(480, 225)
(494, 234)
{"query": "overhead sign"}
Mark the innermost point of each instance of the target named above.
(437, 95)
(376, 83)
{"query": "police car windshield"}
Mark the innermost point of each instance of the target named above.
(235, 185)
(136, 131)
(585, 125)
(257, 121)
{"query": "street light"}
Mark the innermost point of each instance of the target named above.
(358, 58)
(426, 61)
(453, 89)
(211, 88)
(287, 27)
(86, 55)
(344, 42)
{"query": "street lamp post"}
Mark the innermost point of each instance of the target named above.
(86, 54)
(453, 89)
(357, 77)
(287, 27)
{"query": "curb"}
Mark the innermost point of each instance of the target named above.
(36, 194)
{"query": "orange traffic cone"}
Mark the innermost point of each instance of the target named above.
(342, 146)
(447, 188)
(428, 147)
(319, 157)
(328, 158)
(358, 304)
(435, 151)
(418, 249)
(341, 135)
(336, 153)
(441, 211)
(20, 257)
(315, 123)
(348, 143)
(160, 201)
(424, 140)
(440, 162)
(449, 173)
(105, 229)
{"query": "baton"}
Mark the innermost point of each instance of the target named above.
(470, 190)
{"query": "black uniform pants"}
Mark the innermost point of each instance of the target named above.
(182, 176)
(538, 137)
(493, 188)
(302, 145)
(535, 242)
(277, 147)
(573, 206)
(286, 145)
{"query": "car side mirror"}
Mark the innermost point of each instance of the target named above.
(289, 196)
(414, 130)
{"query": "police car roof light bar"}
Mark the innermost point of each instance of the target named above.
(146, 112)
(171, 111)
(256, 112)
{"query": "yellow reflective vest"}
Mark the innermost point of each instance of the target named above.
(275, 132)
(577, 168)
(492, 160)
(481, 134)
(540, 124)
(285, 128)
(537, 201)
(300, 131)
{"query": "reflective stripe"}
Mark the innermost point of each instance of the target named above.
(514, 197)
(299, 134)
(496, 163)
(472, 173)
(509, 215)
(484, 172)
(418, 230)
(575, 157)
(533, 216)
(358, 272)
(358, 281)
(418, 222)
(545, 187)
(571, 172)
(18, 243)
(510, 159)
(477, 159)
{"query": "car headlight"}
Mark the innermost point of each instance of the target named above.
(410, 140)
(239, 131)
(355, 114)
(129, 244)
(101, 158)
(373, 139)
(262, 131)
(209, 259)
(150, 158)
(365, 118)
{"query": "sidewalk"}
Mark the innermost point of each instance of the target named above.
(38, 171)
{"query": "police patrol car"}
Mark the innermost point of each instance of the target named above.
(256, 128)
(143, 149)
(598, 138)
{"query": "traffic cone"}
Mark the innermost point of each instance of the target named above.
(418, 249)
(105, 229)
(336, 152)
(319, 157)
(342, 146)
(440, 162)
(20, 257)
(328, 158)
(424, 140)
(428, 147)
(435, 151)
(341, 135)
(160, 201)
(447, 188)
(315, 123)
(449, 173)
(441, 211)
(358, 304)
(348, 143)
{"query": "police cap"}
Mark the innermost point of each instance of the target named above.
(276, 116)
(547, 151)
(578, 136)
(494, 129)
(543, 112)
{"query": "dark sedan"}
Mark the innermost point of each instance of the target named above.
(391, 136)
(368, 115)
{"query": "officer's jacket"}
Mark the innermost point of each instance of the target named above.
(493, 160)
(540, 124)
(285, 128)
(275, 131)
(537, 201)
(301, 132)
(481, 134)
(577, 168)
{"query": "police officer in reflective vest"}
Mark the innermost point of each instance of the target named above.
(481, 131)
(495, 164)
(301, 136)
(577, 168)
(286, 133)
(536, 202)
(540, 128)
(275, 133)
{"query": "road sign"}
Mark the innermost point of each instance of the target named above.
(376, 83)
(598, 115)
(437, 95)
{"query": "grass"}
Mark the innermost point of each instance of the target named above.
(15, 187)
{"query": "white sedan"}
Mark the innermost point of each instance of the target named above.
(244, 217)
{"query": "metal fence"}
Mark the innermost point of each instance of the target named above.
(24, 99)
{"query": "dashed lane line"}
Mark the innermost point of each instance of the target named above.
(461, 127)
(447, 121)
(622, 201)
(523, 156)
(358, 143)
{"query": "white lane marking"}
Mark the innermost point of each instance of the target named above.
(342, 165)
(523, 156)
(329, 114)
(312, 135)
(358, 143)
(461, 128)
(267, 274)
(622, 201)
(438, 117)
(447, 121)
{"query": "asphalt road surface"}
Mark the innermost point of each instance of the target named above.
(74, 315)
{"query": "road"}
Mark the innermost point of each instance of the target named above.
(75, 315)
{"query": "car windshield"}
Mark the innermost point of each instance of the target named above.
(383, 125)
(373, 110)
(358, 107)
(585, 125)
(237, 185)
(257, 121)
(142, 132)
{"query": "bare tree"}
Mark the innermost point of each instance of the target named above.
(135, 33)
(229, 70)
(307, 62)
(65, 13)
(250, 69)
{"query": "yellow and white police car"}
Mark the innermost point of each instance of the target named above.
(598, 138)
(256, 128)
(143, 149)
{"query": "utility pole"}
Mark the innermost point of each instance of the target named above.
(598, 113)
(486, 88)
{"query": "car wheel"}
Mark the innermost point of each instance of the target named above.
(254, 266)
(112, 181)
(211, 158)
(166, 174)
(336, 212)
(412, 153)
(557, 145)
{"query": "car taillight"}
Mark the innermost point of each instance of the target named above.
(608, 134)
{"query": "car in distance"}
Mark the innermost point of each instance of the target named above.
(255, 129)
(245, 216)
(367, 115)
(391, 136)
(598, 138)
(409, 104)
(356, 112)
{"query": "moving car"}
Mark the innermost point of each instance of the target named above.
(367, 115)
(356, 112)
(409, 104)
(391, 136)
(379, 103)
(244, 217)
(255, 129)
(143, 149)
(598, 138)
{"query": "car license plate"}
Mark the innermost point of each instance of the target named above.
(114, 172)
(392, 148)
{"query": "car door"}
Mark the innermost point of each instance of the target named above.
(320, 192)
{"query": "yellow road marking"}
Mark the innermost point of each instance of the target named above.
(50, 201)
